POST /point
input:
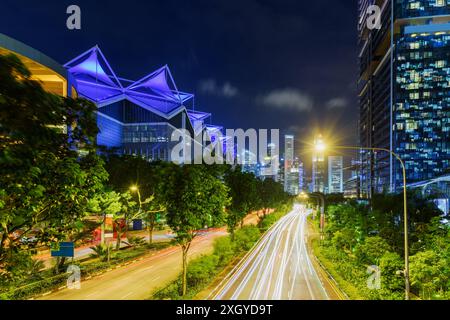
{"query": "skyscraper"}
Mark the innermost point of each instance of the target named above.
(318, 167)
(270, 164)
(288, 159)
(335, 174)
(404, 92)
(301, 177)
(291, 167)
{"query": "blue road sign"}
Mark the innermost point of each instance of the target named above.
(66, 249)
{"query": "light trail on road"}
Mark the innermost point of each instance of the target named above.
(278, 267)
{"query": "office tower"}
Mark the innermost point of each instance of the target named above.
(318, 167)
(404, 92)
(288, 159)
(292, 178)
(352, 183)
(335, 174)
(269, 166)
(281, 171)
(249, 162)
(301, 177)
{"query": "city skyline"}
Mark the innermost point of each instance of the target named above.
(254, 150)
(285, 96)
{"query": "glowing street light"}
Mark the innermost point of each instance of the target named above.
(135, 188)
(320, 146)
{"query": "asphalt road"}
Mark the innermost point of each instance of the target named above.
(279, 266)
(138, 280)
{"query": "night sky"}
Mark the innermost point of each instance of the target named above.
(290, 65)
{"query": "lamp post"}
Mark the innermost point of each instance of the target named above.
(322, 147)
(305, 196)
(322, 212)
(135, 188)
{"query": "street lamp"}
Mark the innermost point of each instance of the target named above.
(321, 198)
(321, 147)
(135, 188)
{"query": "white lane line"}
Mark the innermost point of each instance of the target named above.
(127, 295)
(145, 269)
(91, 294)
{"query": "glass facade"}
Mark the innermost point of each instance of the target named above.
(404, 92)
(422, 103)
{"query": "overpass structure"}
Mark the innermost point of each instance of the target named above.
(438, 187)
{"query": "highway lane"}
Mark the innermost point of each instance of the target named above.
(278, 267)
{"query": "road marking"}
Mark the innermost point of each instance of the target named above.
(91, 294)
(154, 279)
(148, 268)
(127, 295)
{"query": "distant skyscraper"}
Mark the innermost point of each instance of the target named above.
(404, 92)
(352, 184)
(318, 167)
(270, 165)
(249, 162)
(335, 174)
(281, 171)
(301, 177)
(291, 167)
(288, 159)
(293, 177)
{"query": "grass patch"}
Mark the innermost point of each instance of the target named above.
(350, 290)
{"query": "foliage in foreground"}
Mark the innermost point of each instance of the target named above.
(201, 270)
(357, 237)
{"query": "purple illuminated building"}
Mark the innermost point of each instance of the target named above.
(136, 117)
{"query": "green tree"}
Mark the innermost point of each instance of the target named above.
(426, 270)
(390, 264)
(193, 199)
(371, 250)
(344, 239)
(271, 194)
(127, 171)
(119, 205)
(44, 182)
(244, 197)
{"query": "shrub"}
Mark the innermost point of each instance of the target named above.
(20, 268)
(344, 239)
(224, 249)
(246, 237)
(201, 270)
(137, 241)
(371, 250)
(390, 263)
(101, 251)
